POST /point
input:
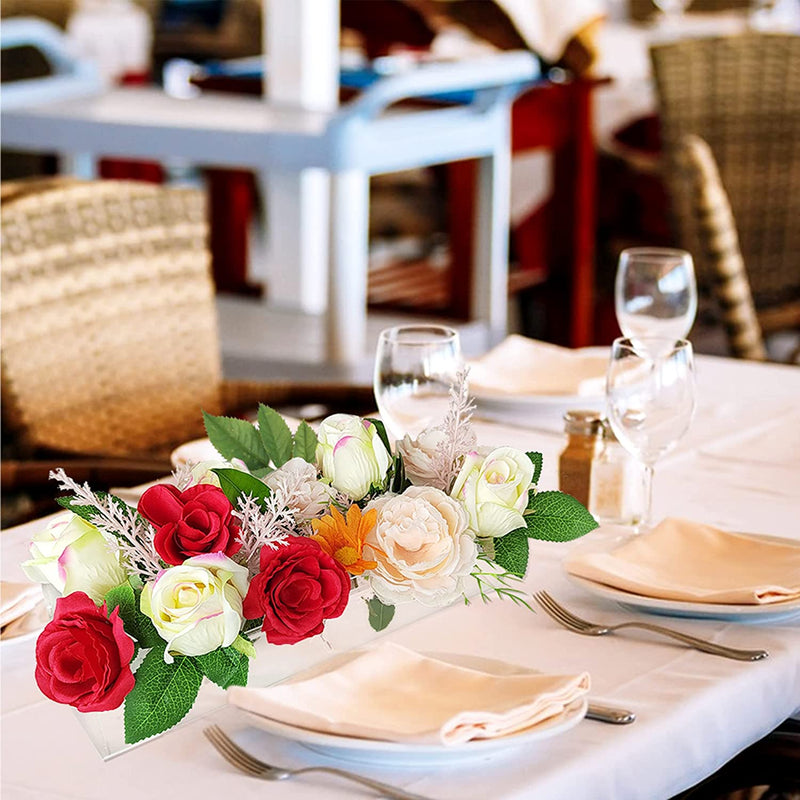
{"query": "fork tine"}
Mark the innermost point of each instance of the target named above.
(231, 752)
(574, 619)
(554, 610)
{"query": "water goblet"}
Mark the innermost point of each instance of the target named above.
(650, 400)
(655, 293)
(415, 365)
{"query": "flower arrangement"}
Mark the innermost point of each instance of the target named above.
(149, 601)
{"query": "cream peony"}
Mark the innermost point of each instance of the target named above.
(72, 555)
(422, 545)
(351, 455)
(197, 606)
(297, 479)
(494, 490)
(419, 454)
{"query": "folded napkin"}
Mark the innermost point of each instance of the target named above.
(22, 608)
(393, 694)
(520, 366)
(683, 560)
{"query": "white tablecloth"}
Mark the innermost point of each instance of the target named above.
(695, 711)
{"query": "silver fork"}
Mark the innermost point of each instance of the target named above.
(243, 761)
(579, 625)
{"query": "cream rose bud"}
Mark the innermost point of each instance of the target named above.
(197, 607)
(351, 455)
(422, 547)
(308, 496)
(72, 555)
(418, 457)
(494, 490)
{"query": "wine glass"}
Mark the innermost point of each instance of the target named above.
(650, 400)
(415, 366)
(655, 293)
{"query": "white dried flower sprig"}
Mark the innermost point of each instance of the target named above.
(259, 525)
(125, 529)
(459, 437)
(182, 474)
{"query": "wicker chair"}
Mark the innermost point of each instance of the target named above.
(110, 341)
(742, 95)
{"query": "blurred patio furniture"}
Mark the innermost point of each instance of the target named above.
(110, 344)
(741, 94)
(716, 230)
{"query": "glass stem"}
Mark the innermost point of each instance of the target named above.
(647, 521)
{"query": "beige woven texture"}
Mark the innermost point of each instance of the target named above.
(109, 327)
(741, 94)
(643, 10)
(716, 229)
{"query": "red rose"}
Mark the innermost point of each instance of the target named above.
(83, 656)
(298, 587)
(190, 523)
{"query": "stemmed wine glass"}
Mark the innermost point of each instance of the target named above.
(415, 366)
(655, 293)
(650, 400)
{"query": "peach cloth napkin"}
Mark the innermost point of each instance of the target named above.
(393, 694)
(22, 608)
(520, 366)
(683, 560)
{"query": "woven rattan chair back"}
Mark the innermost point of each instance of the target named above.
(109, 327)
(741, 94)
(719, 241)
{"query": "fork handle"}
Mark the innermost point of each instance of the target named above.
(699, 644)
(382, 788)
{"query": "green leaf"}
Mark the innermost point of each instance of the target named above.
(235, 483)
(511, 552)
(84, 512)
(305, 443)
(162, 696)
(536, 460)
(380, 615)
(263, 472)
(381, 428)
(136, 624)
(557, 517)
(236, 438)
(244, 646)
(275, 435)
(225, 666)
(399, 482)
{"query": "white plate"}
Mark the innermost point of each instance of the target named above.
(767, 612)
(399, 754)
(194, 452)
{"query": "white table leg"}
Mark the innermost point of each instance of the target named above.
(490, 284)
(347, 295)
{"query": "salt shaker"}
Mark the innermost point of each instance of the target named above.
(584, 431)
(616, 484)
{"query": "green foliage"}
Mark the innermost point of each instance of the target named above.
(136, 624)
(511, 552)
(162, 696)
(305, 443)
(536, 460)
(276, 437)
(398, 482)
(381, 428)
(235, 483)
(244, 646)
(380, 615)
(557, 517)
(225, 666)
(236, 438)
(84, 512)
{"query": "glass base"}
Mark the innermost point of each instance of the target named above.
(273, 663)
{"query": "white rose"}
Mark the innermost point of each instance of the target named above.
(197, 607)
(73, 556)
(419, 454)
(351, 455)
(201, 472)
(422, 546)
(494, 490)
(308, 496)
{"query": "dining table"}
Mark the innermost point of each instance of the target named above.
(738, 468)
